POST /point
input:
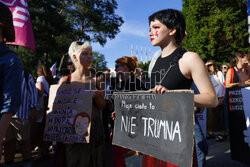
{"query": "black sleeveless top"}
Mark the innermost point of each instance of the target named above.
(173, 79)
(235, 77)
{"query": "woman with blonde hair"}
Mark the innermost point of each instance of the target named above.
(86, 154)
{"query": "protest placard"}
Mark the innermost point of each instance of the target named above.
(237, 125)
(68, 117)
(160, 125)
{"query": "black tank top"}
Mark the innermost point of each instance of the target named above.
(174, 79)
(236, 77)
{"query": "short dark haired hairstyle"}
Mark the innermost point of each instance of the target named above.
(173, 19)
(6, 23)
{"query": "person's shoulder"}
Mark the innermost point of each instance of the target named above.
(220, 73)
(191, 55)
(191, 58)
(11, 58)
(63, 80)
(41, 79)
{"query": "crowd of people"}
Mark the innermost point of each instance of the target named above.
(24, 101)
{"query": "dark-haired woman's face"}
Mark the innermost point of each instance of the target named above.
(158, 33)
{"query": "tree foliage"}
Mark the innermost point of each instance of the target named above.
(144, 67)
(57, 23)
(99, 62)
(93, 20)
(216, 28)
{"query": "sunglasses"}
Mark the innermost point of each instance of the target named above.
(224, 67)
(79, 43)
(242, 56)
(208, 65)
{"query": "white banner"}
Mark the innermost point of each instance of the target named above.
(246, 102)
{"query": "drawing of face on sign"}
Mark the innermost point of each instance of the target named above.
(81, 124)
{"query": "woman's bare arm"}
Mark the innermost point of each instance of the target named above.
(199, 74)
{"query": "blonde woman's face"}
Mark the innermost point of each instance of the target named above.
(85, 57)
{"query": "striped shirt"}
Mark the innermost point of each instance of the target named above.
(28, 97)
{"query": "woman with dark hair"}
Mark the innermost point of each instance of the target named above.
(167, 30)
(224, 69)
(238, 74)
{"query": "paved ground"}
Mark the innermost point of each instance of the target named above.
(218, 156)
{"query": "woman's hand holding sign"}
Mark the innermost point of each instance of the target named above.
(158, 89)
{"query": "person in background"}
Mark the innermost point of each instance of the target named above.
(167, 30)
(10, 73)
(70, 67)
(19, 129)
(224, 69)
(125, 70)
(214, 115)
(42, 84)
(138, 73)
(238, 74)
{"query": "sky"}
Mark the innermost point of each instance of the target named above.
(135, 29)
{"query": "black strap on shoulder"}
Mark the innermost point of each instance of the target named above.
(5, 52)
(178, 56)
(174, 61)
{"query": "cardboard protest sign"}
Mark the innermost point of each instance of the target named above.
(237, 125)
(160, 125)
(69, 114)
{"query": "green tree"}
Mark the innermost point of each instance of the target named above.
(52, 32)
(144, 67)
(57, 23)
(99, 61)
(93, 20)
(216, 28)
